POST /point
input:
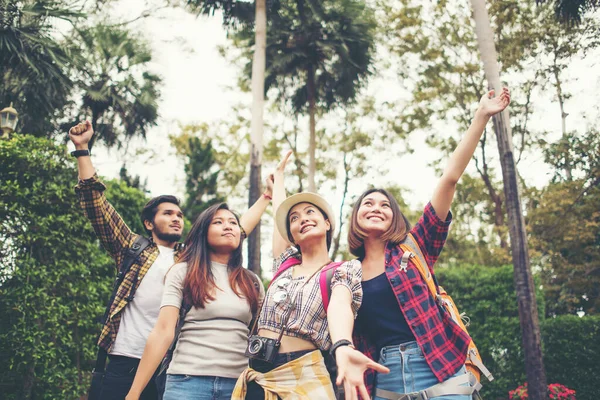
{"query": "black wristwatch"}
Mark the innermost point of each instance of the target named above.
(80, 153)
(338, 344)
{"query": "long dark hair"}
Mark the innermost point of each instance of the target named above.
(395, 234)
(199, 284)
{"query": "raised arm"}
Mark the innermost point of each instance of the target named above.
(157, 345)
(108, 224)
(280, 243)
(251, 218)
(80, 135)
(444, 192)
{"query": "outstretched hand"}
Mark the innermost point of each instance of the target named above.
(81, 134)
(491, 105)
(352, 365)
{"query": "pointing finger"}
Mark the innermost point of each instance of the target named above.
(378, 367)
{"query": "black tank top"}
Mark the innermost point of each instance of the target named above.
(380, 317)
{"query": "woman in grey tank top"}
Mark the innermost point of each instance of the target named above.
(222, 297)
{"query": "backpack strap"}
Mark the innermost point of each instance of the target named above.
(257, 284)
(412, 250)
(131, 254)
(287, 264)
(325, 278)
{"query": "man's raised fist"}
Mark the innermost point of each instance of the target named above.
(81, 134)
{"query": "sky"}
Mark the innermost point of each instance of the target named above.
(196, 88)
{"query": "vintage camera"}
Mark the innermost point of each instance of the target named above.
(262, 348)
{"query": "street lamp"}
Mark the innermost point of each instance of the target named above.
(8, 120)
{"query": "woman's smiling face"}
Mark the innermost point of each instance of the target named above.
(375, 214)
(307, 222)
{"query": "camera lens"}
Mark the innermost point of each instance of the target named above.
(255, 346)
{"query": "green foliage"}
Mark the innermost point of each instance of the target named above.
(202, 174)
(34, 62)
(318, 50)
(565, 236)
(119, 93)
(133, 181)
(435, 48)
(234, 12)
(571, 351)
(572, 12)
(229, 147)
(128, 201)
(56, 78)
(54, 277)
(487, 296)
(475, 235)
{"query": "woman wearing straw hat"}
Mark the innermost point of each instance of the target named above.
(293, 326)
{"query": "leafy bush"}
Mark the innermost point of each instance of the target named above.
(487, 296)
(570, 343)
(571, 353)
(54, 277)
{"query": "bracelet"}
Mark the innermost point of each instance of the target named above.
(80, 153)
(266, 196)
(338, 344)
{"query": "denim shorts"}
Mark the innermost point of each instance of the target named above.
(409, 372)
(184, 387)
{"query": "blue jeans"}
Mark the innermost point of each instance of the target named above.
(184, 387)
(409, 372)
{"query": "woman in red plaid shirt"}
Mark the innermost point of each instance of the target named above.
(399, 322)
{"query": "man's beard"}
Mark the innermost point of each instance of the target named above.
(168, 237)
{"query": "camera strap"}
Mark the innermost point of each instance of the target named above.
(291, 306)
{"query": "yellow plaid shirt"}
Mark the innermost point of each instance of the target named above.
(116, 237)
(303, 378)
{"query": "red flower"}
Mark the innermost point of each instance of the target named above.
(556, 391)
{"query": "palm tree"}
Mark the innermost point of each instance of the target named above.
(572, 11)
(528, 313)
(34, 64)
(120, 94)
(318, 55)
(237, 14)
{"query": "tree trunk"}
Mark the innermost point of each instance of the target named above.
(563, 117)
(528, 314)
(28, 382)
(498, 210)
(256, 135)
(312, 143)
(336, 242)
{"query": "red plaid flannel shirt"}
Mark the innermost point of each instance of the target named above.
(443, 343)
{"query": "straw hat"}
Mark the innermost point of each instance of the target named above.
(281, 215)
